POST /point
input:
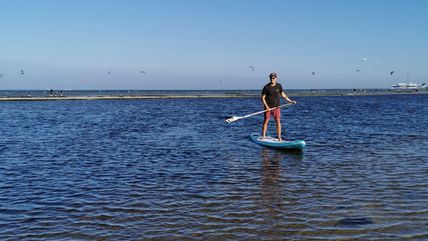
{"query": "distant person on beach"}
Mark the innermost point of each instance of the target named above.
(271, 95)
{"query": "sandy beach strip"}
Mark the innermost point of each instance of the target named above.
(118, 97)
(198, 96)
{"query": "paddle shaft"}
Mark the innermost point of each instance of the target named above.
(263, 111)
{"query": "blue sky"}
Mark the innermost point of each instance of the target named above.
(189, 44)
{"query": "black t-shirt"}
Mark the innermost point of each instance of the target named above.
(273, 94)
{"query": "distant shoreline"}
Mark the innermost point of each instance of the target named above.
(226, 94)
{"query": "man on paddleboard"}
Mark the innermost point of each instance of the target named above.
(271, 95)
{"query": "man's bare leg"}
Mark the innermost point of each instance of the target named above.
(264, 128)
(278, 128)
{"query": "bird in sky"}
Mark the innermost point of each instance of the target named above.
(392, 72)
(313, 73)
(1, 75)
(251, 67)
(22, 72)
(358, 70)
(143, 72)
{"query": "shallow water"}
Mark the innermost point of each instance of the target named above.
(172, 169)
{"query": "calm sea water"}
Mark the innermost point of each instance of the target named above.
(172, 169)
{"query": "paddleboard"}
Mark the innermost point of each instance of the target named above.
(271, 142)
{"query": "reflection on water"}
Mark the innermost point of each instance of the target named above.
(271, 181)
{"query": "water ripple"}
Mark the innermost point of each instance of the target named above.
(173, 170)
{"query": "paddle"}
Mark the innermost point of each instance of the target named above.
(235, 118)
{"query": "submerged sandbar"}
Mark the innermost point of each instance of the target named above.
(202, 94)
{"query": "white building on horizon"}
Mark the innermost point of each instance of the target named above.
(409, 86)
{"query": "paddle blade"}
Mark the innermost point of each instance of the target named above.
(232, 119)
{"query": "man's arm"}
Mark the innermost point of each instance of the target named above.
(287, 99)
(265, 103)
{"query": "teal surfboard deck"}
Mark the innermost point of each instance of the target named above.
(275, 143)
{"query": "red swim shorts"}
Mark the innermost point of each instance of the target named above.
(276, 113)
